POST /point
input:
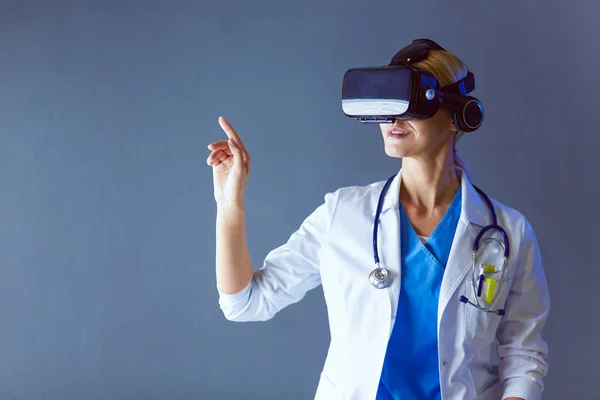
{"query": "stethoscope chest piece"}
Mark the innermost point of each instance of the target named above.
(380, 278)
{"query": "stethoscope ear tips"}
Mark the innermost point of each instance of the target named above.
(463, 299)
(500, 312)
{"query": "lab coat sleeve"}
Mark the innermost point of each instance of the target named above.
(288, 272)
(521, 347)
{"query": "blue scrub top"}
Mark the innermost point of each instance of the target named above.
(410, 368)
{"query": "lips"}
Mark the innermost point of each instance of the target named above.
(397, 133)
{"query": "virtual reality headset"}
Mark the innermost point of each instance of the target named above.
(402, 91)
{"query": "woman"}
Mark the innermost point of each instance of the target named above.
(447, 325)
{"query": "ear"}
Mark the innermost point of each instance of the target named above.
(452, 125)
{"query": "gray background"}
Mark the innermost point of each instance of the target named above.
(107, 283)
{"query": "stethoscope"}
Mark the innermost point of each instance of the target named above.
(380, 277)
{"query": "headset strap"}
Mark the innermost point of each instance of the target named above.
(416, 51)
(462, 87)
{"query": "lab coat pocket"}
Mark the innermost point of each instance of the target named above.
(481, 326)
(327, 390)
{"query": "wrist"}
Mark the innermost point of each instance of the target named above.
(229, 210)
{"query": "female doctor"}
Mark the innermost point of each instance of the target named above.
(452, 309)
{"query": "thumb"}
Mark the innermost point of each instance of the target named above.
(236, 151)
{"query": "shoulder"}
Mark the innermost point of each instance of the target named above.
(514, 222)
(347, 201)
(357, 192)
(507, 212)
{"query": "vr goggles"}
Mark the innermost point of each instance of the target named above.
(401, 91)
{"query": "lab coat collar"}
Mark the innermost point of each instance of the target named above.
(474, 208)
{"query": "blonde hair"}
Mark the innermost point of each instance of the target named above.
(446, 68)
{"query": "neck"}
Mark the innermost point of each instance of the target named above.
(429, 182)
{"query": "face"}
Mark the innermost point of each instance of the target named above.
(419, 138)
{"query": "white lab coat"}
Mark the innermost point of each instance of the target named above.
(482, 356)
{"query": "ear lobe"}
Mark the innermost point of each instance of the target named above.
(453, 125)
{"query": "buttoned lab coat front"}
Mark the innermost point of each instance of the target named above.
(481, 355)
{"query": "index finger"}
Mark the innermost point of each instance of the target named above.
(229, 131)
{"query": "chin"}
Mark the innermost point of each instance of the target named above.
(395, 152)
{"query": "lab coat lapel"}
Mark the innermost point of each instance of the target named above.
(389, 238)
(459, 264)
(473, 217)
